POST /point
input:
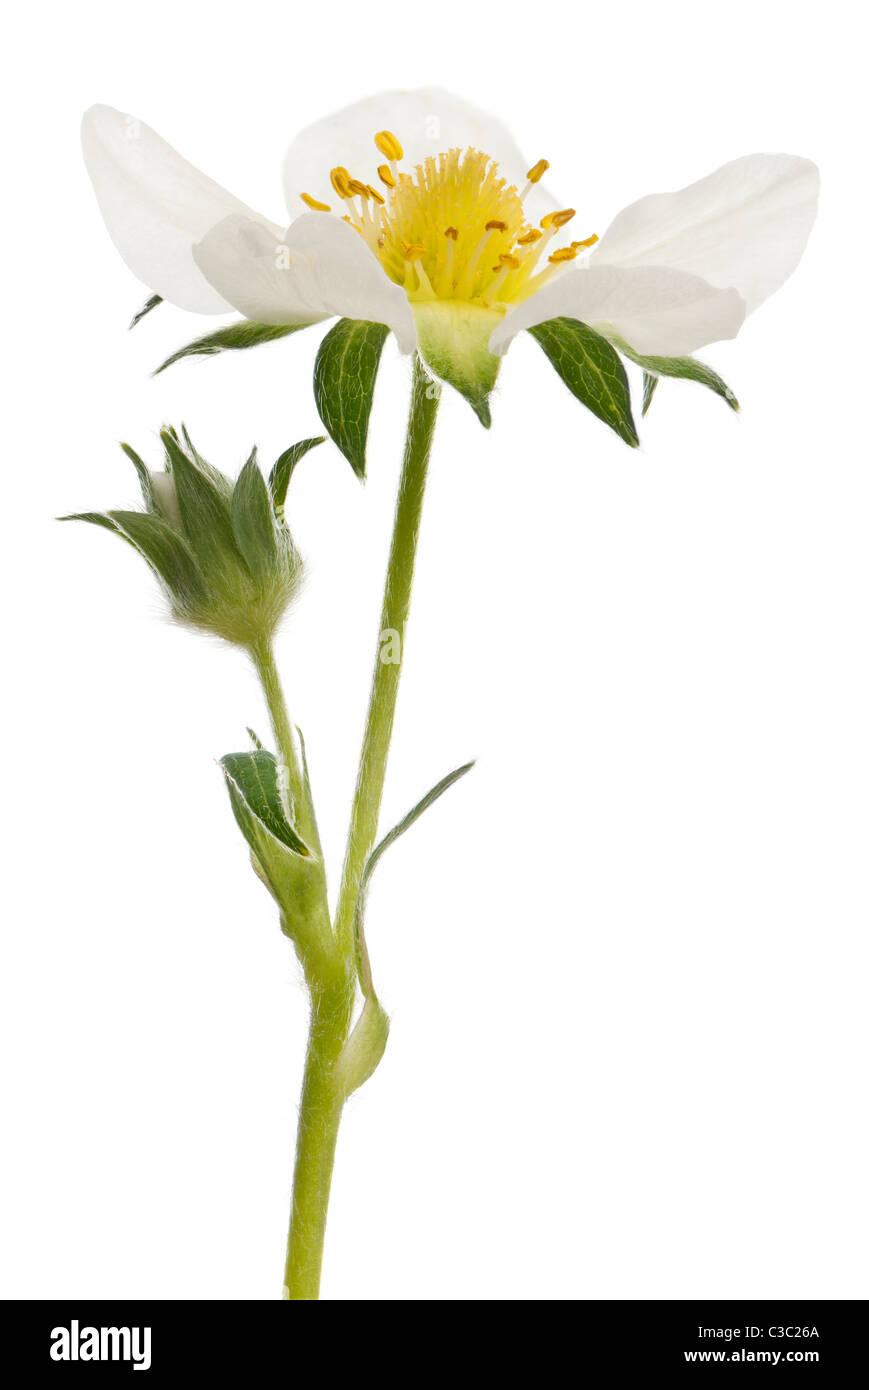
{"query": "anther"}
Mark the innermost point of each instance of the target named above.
(314, 204)
(557, 219)
(385, 174)
(496, 226)
(412, 250)
(534, 175)
(340, 178)
(565, 253)
(357, 188)
(529, 238)
(375, 195)
(388, 144)
(452, 233)
(584, 245)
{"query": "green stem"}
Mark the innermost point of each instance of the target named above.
(332, 1006)
(266, 668)
(319, 1117)
(387, 674)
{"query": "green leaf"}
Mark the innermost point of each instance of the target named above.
(146, 309)
(292, 872)
(591, 369)
(204, 508)
(344, 375)
(255, 774)
(361, 1053)
(686, 367)
(252, 520)
(377, 854)
(157, 542)
(279, 478)
(650, 384)
(234, 337)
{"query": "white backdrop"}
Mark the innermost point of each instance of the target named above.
(626, 958)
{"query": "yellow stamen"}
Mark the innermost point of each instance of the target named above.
(340, 178)
(534, 175)
(425, 285)
(507, 263)
(536, 172)
(583, 245)
(314, 204)
(446, 280)
(453, 228)
(557, 219)
(388, 144)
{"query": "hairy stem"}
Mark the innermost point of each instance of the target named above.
(387, 674)
(332, 1006)
(266, 668)
(319, 1117)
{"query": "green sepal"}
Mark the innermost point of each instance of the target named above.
(591, 369)
(221, 481)
(204, 504)
(454, 343)
(291, 870)
(253, 521)
(344, 376)
(282, 472)
(687, 368)
(650, 385)
(236, 336)
(168, 554)
(94, 519)
(145, 309)
(144, 476)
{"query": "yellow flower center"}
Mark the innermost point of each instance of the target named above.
(454, 229)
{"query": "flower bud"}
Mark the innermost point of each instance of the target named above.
(221, 550)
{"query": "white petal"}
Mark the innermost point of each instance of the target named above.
(249, 265)
(744, 226)
(426, 122)
(655, 310)
(318, 268)
(155, 205)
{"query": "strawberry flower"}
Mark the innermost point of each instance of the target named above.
(418, 211)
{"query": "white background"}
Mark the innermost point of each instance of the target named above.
(626, 958)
